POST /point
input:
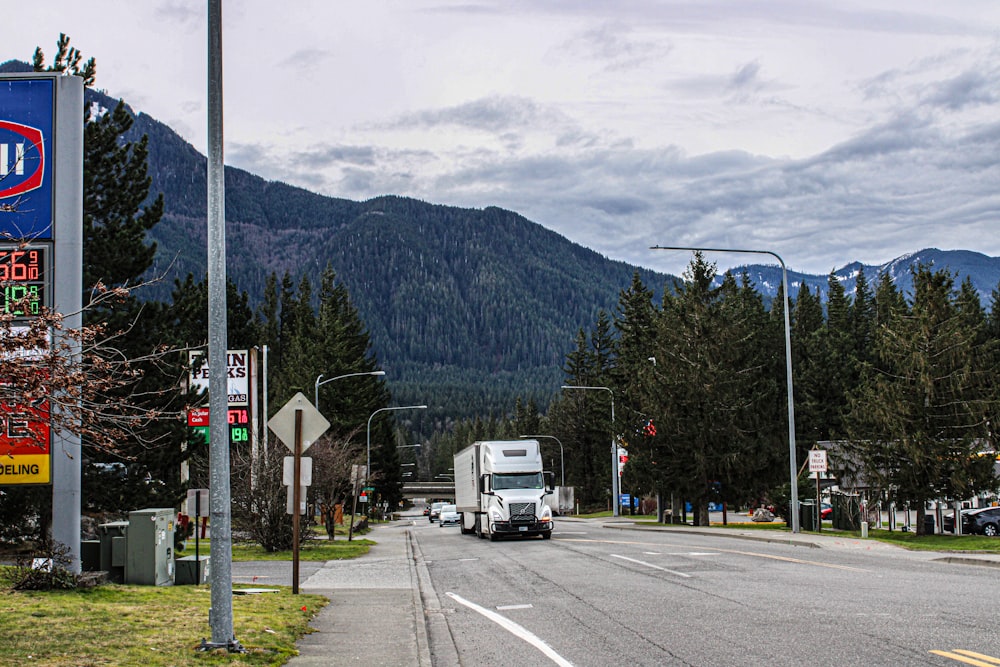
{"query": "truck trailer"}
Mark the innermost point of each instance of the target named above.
(500, 489)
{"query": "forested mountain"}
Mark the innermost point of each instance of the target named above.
(467, 309)
(982, 270)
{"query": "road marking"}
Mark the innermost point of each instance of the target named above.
(515, 629)
(570, 532)
(507, 607)
(682, 553)
(655, 567)
(467, 559)
(741, 553)
(969, 657)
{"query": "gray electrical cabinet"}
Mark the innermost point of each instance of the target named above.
(150, 549)
(191, 570)
(112, 537)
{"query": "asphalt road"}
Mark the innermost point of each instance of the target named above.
(599, 596)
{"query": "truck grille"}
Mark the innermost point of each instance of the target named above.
(522, 512)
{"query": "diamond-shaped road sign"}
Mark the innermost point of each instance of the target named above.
(283, 423)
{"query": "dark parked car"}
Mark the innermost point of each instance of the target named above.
(435, 511)
(980, 521)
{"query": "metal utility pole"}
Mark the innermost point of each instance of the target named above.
(220, 615)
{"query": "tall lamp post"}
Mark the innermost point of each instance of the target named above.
(562, 463)
(614, 449)
(368, 460)
(792, 462)
(339, 377)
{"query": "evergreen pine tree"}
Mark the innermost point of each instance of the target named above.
(918, 423)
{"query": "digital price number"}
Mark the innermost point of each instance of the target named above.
(239, 425)
(24, 278)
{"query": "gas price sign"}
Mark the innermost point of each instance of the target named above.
(239, 425)
(24, 279)
(238, 420)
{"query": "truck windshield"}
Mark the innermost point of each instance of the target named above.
(532, 480)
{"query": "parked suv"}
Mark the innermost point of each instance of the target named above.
(983, 521)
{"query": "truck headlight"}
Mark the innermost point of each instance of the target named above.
(495, 515)
(546, 513)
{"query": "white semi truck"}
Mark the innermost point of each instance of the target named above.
(500, 489)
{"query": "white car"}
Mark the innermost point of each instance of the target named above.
(449, 515)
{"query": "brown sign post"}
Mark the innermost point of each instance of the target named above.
(298, 424)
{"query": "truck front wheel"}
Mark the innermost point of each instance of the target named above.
(547, 535)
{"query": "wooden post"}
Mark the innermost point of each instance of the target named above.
(296, 501)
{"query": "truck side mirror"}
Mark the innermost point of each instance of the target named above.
(550, 480)
(484, 485)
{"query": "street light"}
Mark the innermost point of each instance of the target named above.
(792, 462)
(562, 464)
(614, 448)
(339, 377)
(368, 461)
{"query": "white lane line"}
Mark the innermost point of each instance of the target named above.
(570, 532)
(515, 629)
(681, 553)
(694, 553)
(463, 560)
(506, 607)
(655, 567)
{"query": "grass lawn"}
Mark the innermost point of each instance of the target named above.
(315, 549)
(146, 625)
(161, 626)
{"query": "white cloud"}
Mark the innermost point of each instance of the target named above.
(825, 130)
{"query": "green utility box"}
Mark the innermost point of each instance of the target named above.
(150, 551)
(112, 559)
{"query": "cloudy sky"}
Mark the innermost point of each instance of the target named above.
(824, 131)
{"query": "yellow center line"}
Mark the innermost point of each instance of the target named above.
(755, 554)
(969, 657)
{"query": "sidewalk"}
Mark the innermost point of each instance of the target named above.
(375, 615)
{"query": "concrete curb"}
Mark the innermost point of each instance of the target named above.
(712, 533)
(429, 607)
(420, 617)
(968, 560)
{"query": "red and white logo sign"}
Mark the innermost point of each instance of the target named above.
(198, 417)
(22, 159)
